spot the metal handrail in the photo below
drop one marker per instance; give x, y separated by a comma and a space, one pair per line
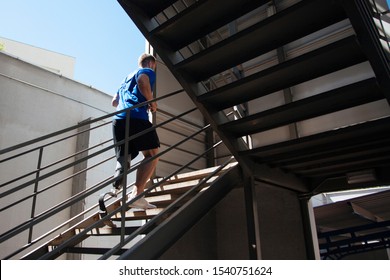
79, 196
125, 205
108, 181
62, 131
67, 130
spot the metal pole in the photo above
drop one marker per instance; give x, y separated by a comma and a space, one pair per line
252, 219
124, 179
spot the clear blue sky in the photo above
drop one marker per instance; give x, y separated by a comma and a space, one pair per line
98, 33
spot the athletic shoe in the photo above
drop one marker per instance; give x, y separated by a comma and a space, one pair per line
141, 203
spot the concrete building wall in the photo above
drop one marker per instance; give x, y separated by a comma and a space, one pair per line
176, 131
35, 102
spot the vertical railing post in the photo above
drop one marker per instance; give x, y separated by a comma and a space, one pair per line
34, 199
252, 219
124, 179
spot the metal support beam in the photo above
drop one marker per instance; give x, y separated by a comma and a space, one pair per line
360, 15
252, 219
309, 230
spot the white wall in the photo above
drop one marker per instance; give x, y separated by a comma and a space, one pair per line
35, 102
175, 105
58, 63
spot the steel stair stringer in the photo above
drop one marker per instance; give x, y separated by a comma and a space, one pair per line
155, 243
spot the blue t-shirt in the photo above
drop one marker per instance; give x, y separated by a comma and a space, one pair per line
130, 95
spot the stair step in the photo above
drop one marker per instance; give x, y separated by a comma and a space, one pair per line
162, 200
108, 231
72, 231
195, 175
271, 33
342, 141
83, 224
139, 214
177, 188
338, 99
322, 61
182, 29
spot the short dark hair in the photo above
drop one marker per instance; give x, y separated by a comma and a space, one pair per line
145, 58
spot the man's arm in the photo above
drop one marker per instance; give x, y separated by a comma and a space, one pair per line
115, 100
144, 87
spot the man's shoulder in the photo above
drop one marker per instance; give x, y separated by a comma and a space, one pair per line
146, 71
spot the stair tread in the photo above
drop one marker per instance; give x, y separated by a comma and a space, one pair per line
182, 29
193, 175
335, 139
330, 58
139, 214
277, 30
337, 99
109, 230
162, 198
177, 188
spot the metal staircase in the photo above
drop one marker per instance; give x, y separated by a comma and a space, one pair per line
244, 53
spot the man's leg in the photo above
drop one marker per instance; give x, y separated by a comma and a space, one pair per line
118, 135
144, 172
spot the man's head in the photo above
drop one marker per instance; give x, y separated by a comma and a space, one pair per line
147, 61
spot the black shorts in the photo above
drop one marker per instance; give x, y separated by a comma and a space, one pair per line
146, 141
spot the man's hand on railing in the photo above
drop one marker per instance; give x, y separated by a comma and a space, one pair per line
153, 107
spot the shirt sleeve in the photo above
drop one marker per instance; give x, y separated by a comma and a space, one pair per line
151, 74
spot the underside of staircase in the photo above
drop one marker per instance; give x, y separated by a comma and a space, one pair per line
218, 51
240, 55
